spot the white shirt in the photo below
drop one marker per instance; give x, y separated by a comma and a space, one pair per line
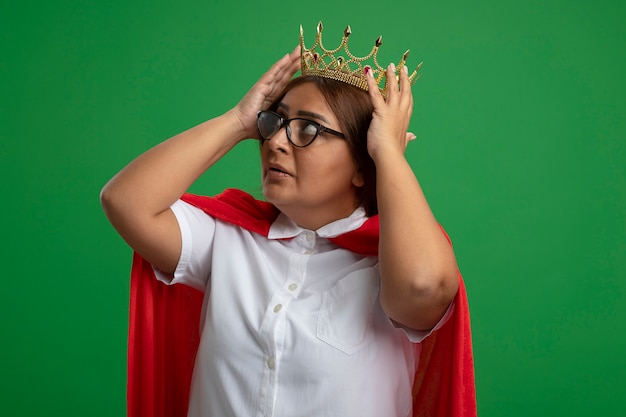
292, 325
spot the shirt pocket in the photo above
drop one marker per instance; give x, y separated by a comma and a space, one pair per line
345, 319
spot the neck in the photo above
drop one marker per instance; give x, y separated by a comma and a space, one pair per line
315, 219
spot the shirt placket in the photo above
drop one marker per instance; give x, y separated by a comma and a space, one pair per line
274, 322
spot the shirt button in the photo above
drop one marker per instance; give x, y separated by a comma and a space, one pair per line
277, 308
309, 252
271, 363
293, 287
310, 236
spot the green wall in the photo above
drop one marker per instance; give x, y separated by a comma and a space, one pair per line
521, 150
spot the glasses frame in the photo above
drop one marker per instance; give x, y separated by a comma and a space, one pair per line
285, 123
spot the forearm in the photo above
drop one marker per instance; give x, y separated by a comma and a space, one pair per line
155, 179
152, 182
417, 263
138, 198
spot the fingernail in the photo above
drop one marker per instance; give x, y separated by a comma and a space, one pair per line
392, 66
405, 69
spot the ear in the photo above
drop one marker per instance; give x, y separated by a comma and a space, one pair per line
357, 179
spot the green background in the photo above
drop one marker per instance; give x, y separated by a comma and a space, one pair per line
520, 118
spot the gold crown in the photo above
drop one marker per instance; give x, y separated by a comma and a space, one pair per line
326, 63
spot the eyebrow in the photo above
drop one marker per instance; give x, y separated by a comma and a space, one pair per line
305, 113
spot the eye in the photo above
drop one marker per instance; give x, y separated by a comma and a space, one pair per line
309, 129
268, 125
303, 131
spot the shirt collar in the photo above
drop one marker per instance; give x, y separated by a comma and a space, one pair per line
285, 228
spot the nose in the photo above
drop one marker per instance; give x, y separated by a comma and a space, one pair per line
279, 142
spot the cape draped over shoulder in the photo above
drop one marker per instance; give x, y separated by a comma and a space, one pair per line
164, 329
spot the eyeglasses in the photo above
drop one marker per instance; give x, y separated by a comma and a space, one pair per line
300, 132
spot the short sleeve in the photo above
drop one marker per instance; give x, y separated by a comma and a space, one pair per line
418, 336
197, 230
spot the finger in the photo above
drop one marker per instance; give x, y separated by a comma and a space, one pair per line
372, 87
290, 67
294, 61
295, 54
405, 85
392, 83
405, 90
285, 67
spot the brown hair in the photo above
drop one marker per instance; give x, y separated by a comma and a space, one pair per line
353, 108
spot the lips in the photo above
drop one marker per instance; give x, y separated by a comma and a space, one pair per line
278, 169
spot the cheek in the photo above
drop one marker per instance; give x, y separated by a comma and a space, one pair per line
332, 166
263, 149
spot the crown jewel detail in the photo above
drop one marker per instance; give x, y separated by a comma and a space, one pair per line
330, 63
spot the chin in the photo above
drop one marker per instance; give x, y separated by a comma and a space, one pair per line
280, 199
271, 195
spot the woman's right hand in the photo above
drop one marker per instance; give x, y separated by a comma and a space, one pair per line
137, 200
265, 91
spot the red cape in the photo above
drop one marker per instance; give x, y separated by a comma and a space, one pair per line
164, 328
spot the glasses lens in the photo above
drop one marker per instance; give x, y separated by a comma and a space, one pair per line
303, 131
268, 124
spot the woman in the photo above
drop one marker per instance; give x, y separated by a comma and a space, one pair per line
295, 324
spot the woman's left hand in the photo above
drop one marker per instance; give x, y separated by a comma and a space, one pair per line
390, 120
418, 271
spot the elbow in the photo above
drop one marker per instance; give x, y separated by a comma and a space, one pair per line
422, 301
437, 289
107, 199
113, 203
